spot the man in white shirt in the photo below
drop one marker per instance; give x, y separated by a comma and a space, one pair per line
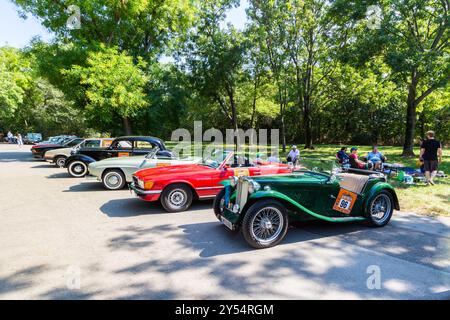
10, 137
293, 155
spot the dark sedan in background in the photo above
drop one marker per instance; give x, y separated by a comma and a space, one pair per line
77, 164
40, 149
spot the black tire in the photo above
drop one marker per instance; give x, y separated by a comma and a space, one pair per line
77, 169
218, 203
381, 201
113, 179
60, 161
176, 198
278, 213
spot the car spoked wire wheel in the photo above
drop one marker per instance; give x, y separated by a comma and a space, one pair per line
176, 198
60, 161
380, 209
113, 179
77, 169
219, 203
265, 224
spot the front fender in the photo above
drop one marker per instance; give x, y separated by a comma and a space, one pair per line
378, 187
80, 157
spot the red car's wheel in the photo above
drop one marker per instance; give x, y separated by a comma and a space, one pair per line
176, 198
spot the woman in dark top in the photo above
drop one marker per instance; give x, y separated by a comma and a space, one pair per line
431, 154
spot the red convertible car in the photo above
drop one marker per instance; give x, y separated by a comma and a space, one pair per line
176, 186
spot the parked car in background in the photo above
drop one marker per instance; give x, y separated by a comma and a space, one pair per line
59, 156
39, 150
77, 164
262, 207
114, 173
176, 186
32, 138
57, 139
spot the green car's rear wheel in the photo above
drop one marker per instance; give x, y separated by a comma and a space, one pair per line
380, 209
113, 179
265, 224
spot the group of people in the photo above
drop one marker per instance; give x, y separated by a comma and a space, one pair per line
375, 159
430, 157
14, 139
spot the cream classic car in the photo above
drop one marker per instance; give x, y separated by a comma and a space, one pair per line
114, 173
59, 156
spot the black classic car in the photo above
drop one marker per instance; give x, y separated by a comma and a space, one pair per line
39, 150
77, 163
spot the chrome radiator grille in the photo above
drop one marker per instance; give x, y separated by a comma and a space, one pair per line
242, 192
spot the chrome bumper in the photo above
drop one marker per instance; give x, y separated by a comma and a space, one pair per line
140, 191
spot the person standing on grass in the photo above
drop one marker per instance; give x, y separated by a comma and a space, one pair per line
431, 154
19, 140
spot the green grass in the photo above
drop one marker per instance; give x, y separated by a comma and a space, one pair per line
418, 198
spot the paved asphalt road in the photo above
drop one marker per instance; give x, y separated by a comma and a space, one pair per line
67, 238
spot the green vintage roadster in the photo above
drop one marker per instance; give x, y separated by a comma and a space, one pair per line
262, 207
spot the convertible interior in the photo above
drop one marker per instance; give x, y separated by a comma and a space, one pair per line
352, 182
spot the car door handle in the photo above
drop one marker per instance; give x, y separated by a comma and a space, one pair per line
332, 197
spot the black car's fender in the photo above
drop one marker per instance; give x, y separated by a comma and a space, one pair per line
80, 157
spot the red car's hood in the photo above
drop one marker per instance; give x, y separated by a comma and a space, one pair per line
145, 174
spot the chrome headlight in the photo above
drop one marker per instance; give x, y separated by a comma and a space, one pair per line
253, 186
233, 181
140, 183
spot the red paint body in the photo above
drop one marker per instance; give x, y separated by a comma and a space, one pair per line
203, 179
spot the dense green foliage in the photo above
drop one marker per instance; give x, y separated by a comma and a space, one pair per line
315, 69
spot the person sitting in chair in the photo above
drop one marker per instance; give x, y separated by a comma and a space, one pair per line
343, 157
354, 160
376, 158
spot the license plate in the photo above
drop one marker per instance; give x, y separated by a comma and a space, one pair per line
227, 223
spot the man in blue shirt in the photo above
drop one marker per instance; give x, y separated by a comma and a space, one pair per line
343, 157
376, 158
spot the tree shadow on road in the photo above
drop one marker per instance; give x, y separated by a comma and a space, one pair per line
122, 208
87, 187
19, 280
12, 156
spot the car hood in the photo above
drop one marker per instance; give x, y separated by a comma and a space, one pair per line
48, 145
298, 177
135, 161
59, 150
149, 173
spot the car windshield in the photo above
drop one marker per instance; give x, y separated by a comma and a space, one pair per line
314, 165
74, 142
152, 153
215, 159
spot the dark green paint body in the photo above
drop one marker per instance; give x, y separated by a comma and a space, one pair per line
310, 196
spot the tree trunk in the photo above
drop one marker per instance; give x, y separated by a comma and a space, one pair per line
283, 133
408, 145
307, 124
126, 126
